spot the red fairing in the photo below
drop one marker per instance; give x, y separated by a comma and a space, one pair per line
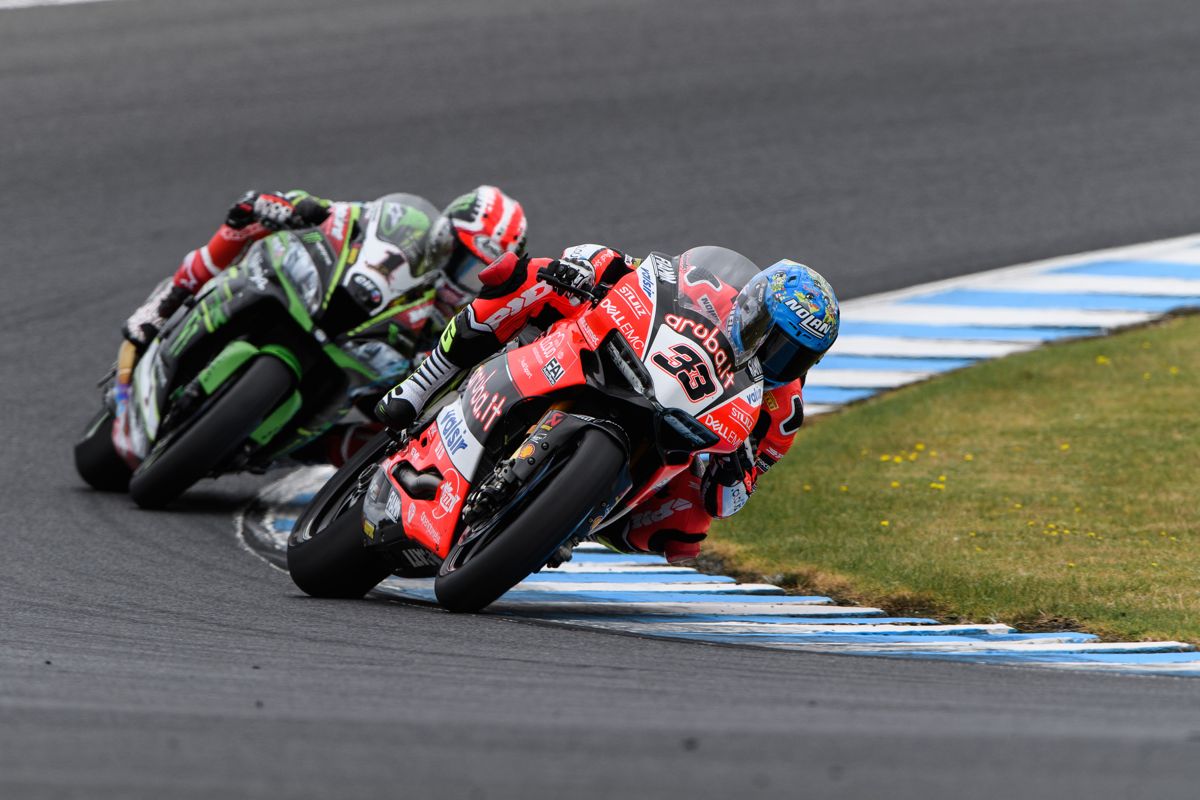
626, 308
733, 421
550, 363
337, 226
431, 522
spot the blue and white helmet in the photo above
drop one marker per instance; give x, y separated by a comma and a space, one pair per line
788, 316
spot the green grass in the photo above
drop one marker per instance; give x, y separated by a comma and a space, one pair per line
1056, 488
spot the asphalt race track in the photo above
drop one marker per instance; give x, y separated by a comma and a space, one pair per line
885, 142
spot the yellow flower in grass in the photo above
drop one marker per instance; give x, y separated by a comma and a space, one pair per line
883, 522
1103, 360
919, 446
843, 488
1064, 446
898, 459
1071, 564
968, 457
938, 486
895, 484
1173, 370
885, 457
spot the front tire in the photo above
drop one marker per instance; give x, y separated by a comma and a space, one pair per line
581, 484
97, 461
213, 436
326, 556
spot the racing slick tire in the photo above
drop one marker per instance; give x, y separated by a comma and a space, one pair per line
213, 435
325, 555
97, 461
563, 501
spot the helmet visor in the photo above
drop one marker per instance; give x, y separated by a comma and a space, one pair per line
783, 360
750, 321
463, 268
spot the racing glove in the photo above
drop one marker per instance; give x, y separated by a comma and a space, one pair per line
144, 324
569, 277
271, 209
729, 481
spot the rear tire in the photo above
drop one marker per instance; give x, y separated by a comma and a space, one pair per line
97, 461
326, 556
213, 436
529, 539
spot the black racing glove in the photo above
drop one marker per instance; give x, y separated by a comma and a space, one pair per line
730, 469
729, 481
569, 278
271, 209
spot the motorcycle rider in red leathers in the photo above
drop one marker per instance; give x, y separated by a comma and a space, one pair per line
520, 291
448, 249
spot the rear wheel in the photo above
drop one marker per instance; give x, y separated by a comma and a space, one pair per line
213, 435
326, 556
472, 580
96, 459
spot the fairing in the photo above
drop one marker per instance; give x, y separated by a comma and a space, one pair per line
682, 379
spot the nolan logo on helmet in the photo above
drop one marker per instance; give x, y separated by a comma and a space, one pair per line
808, 320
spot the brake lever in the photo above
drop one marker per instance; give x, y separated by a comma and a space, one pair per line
568, 289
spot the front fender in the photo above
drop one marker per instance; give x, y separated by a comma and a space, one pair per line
235, 355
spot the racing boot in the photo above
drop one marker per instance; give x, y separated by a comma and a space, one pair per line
400, 407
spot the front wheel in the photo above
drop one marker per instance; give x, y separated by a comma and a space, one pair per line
326, 556
213, 435
97, 461
562, 502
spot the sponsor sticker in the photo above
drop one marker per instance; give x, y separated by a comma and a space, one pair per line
452, 429
553, 371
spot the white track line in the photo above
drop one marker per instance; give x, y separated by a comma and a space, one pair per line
6, 5
930, 314
925, 348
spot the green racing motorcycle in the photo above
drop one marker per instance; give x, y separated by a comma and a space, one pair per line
269, 355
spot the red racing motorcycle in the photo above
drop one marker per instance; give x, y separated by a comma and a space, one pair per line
545, 444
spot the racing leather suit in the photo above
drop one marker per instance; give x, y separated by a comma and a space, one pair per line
676, 520
229, 243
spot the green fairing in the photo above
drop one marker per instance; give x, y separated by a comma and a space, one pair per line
339, 357
278, 418
387, 313
225, 364
284, 355
295, 305
336, 279
209, 313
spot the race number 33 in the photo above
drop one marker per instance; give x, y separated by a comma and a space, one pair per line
687, 366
